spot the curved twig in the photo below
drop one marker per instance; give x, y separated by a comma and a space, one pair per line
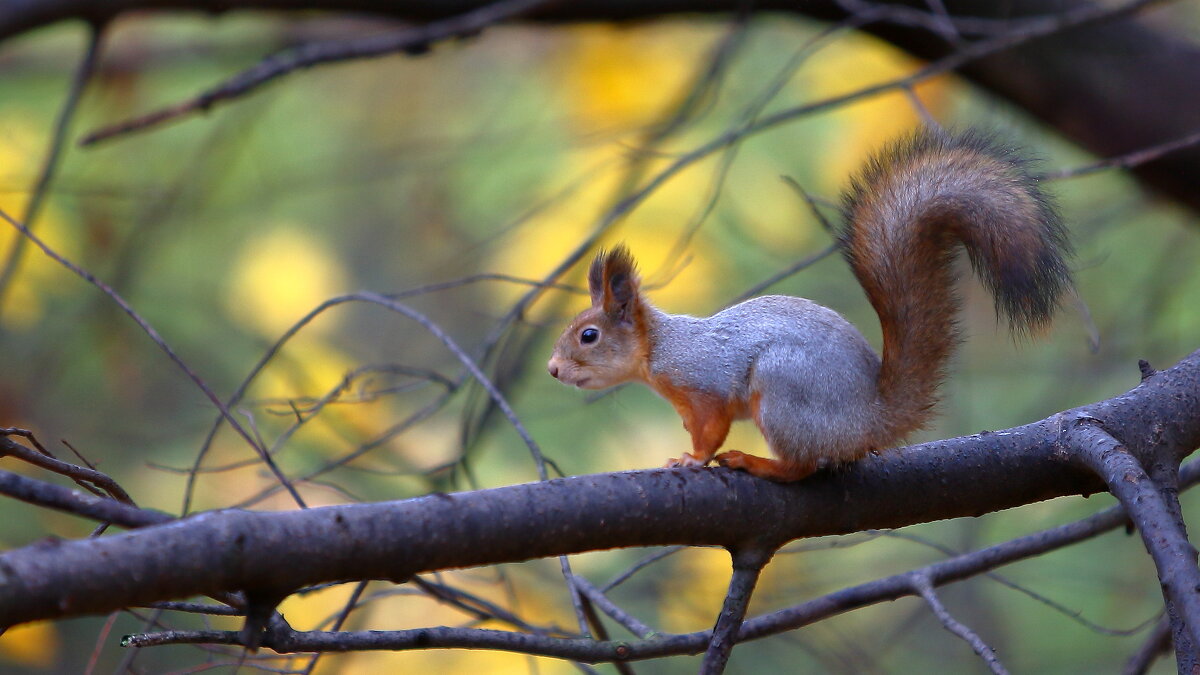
414, 40
162, 344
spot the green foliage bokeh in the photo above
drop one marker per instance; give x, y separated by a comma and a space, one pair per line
497, 154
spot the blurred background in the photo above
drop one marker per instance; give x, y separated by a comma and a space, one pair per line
499, 155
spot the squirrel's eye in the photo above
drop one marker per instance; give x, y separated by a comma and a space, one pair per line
589, 335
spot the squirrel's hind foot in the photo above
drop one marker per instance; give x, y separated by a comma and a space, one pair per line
771, 469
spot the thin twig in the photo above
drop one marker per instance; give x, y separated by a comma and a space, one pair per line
705, 84
785, 273
101, 640
639, 565
391, 432
83, 75
1037, 28
949, 27
606, 605
158, 340
88, 478
480, 608
198, 608
1072, 614
272, 351
469, 363
351, 604
748, 116
127, 659
1128, 160
922, 585
414, 40
577, 599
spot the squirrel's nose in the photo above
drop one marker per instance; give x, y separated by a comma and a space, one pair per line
553, 368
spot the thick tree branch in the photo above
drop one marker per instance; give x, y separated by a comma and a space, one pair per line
236, 550
960, 567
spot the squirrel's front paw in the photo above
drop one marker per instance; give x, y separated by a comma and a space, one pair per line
733, 459
687, 459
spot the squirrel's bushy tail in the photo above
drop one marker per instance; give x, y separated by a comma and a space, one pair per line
905, 213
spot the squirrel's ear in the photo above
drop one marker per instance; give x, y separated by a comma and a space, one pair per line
620, 284
596, 279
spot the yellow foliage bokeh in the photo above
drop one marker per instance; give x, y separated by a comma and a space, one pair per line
31, 644
853, 63
279, 276
695, 589
399, 612
680, 280
21, 148
618, 77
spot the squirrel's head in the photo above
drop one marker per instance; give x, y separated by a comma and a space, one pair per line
605, 344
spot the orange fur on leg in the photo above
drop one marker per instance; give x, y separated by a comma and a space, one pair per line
708, 423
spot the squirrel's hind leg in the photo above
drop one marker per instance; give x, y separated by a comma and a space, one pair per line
808, 422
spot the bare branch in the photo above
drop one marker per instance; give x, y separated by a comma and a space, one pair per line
1157, 643
1168, 546
394, 540
89, 506
886, 589
747, 566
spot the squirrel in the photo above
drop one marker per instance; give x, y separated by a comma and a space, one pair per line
807, 377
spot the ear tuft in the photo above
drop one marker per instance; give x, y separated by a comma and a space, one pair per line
596, 278
620, 283
620, 273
